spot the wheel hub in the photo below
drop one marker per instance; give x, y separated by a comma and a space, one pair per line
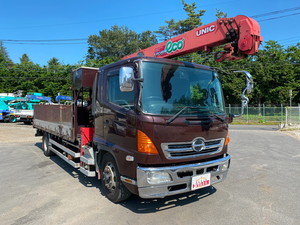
109, 177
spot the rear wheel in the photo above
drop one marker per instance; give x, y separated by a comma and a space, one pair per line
46, 145
114, 188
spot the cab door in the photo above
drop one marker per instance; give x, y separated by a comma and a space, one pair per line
118, 114
98, 106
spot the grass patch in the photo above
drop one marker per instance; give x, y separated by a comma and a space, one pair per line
254, 123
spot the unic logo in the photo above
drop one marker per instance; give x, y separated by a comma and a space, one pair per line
174, 46
205, 30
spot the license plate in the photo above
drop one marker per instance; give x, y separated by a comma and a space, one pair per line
200, 181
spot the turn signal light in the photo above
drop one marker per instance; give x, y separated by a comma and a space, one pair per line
227, 140
144, 144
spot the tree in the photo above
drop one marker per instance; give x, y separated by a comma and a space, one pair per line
220, 14
117, 42
56, 78
5, 65
146, 39
274, 72
167, 31
293, 55
173, 28
53, 62
193, 20
4, 58
99, 62
25, 59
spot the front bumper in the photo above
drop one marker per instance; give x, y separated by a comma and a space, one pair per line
181, 177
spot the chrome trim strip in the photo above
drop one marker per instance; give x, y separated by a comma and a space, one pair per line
214, 146
180, 150
87, 172
88, 161
183, 167
72, 163
65, 149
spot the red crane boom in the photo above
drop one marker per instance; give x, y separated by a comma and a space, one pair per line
241, 33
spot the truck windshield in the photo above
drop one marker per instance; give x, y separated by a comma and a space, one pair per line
167, 88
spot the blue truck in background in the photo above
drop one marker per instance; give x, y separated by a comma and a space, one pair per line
5, 110
23, 108
15, 108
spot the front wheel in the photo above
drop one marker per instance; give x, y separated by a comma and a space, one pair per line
114, 188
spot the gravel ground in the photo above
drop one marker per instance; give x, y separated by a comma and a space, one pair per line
293, 133
262, 186
17, 132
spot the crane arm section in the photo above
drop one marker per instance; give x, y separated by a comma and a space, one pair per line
241, 35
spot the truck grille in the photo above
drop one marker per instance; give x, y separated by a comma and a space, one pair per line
195, 148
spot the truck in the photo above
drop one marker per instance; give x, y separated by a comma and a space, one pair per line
22, 108
5, 110
150, 125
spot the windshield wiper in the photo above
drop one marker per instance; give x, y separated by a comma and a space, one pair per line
177, 114
192, 107
180, 112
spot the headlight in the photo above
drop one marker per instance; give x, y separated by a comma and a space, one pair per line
158, 177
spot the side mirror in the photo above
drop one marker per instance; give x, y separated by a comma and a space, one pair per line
248, 89
126, 77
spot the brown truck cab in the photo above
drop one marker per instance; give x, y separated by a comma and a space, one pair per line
155, 127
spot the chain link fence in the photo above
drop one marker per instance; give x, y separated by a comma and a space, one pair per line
286, 116
292, 116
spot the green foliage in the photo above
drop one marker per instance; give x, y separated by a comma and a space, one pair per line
117, 42
99, 63
167, 31
175, 28
192, 21
25, 59
53, 63
30, 77
4, 58
275, 74
220, 14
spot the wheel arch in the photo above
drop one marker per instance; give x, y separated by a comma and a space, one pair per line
100, 152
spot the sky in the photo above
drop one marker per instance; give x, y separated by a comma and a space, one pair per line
22, 21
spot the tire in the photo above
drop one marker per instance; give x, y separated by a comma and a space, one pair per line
28, 123
115, 190
12, 119
46, 145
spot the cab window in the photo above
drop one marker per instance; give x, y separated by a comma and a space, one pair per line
114, 94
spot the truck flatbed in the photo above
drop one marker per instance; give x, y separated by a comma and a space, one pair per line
55, 119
